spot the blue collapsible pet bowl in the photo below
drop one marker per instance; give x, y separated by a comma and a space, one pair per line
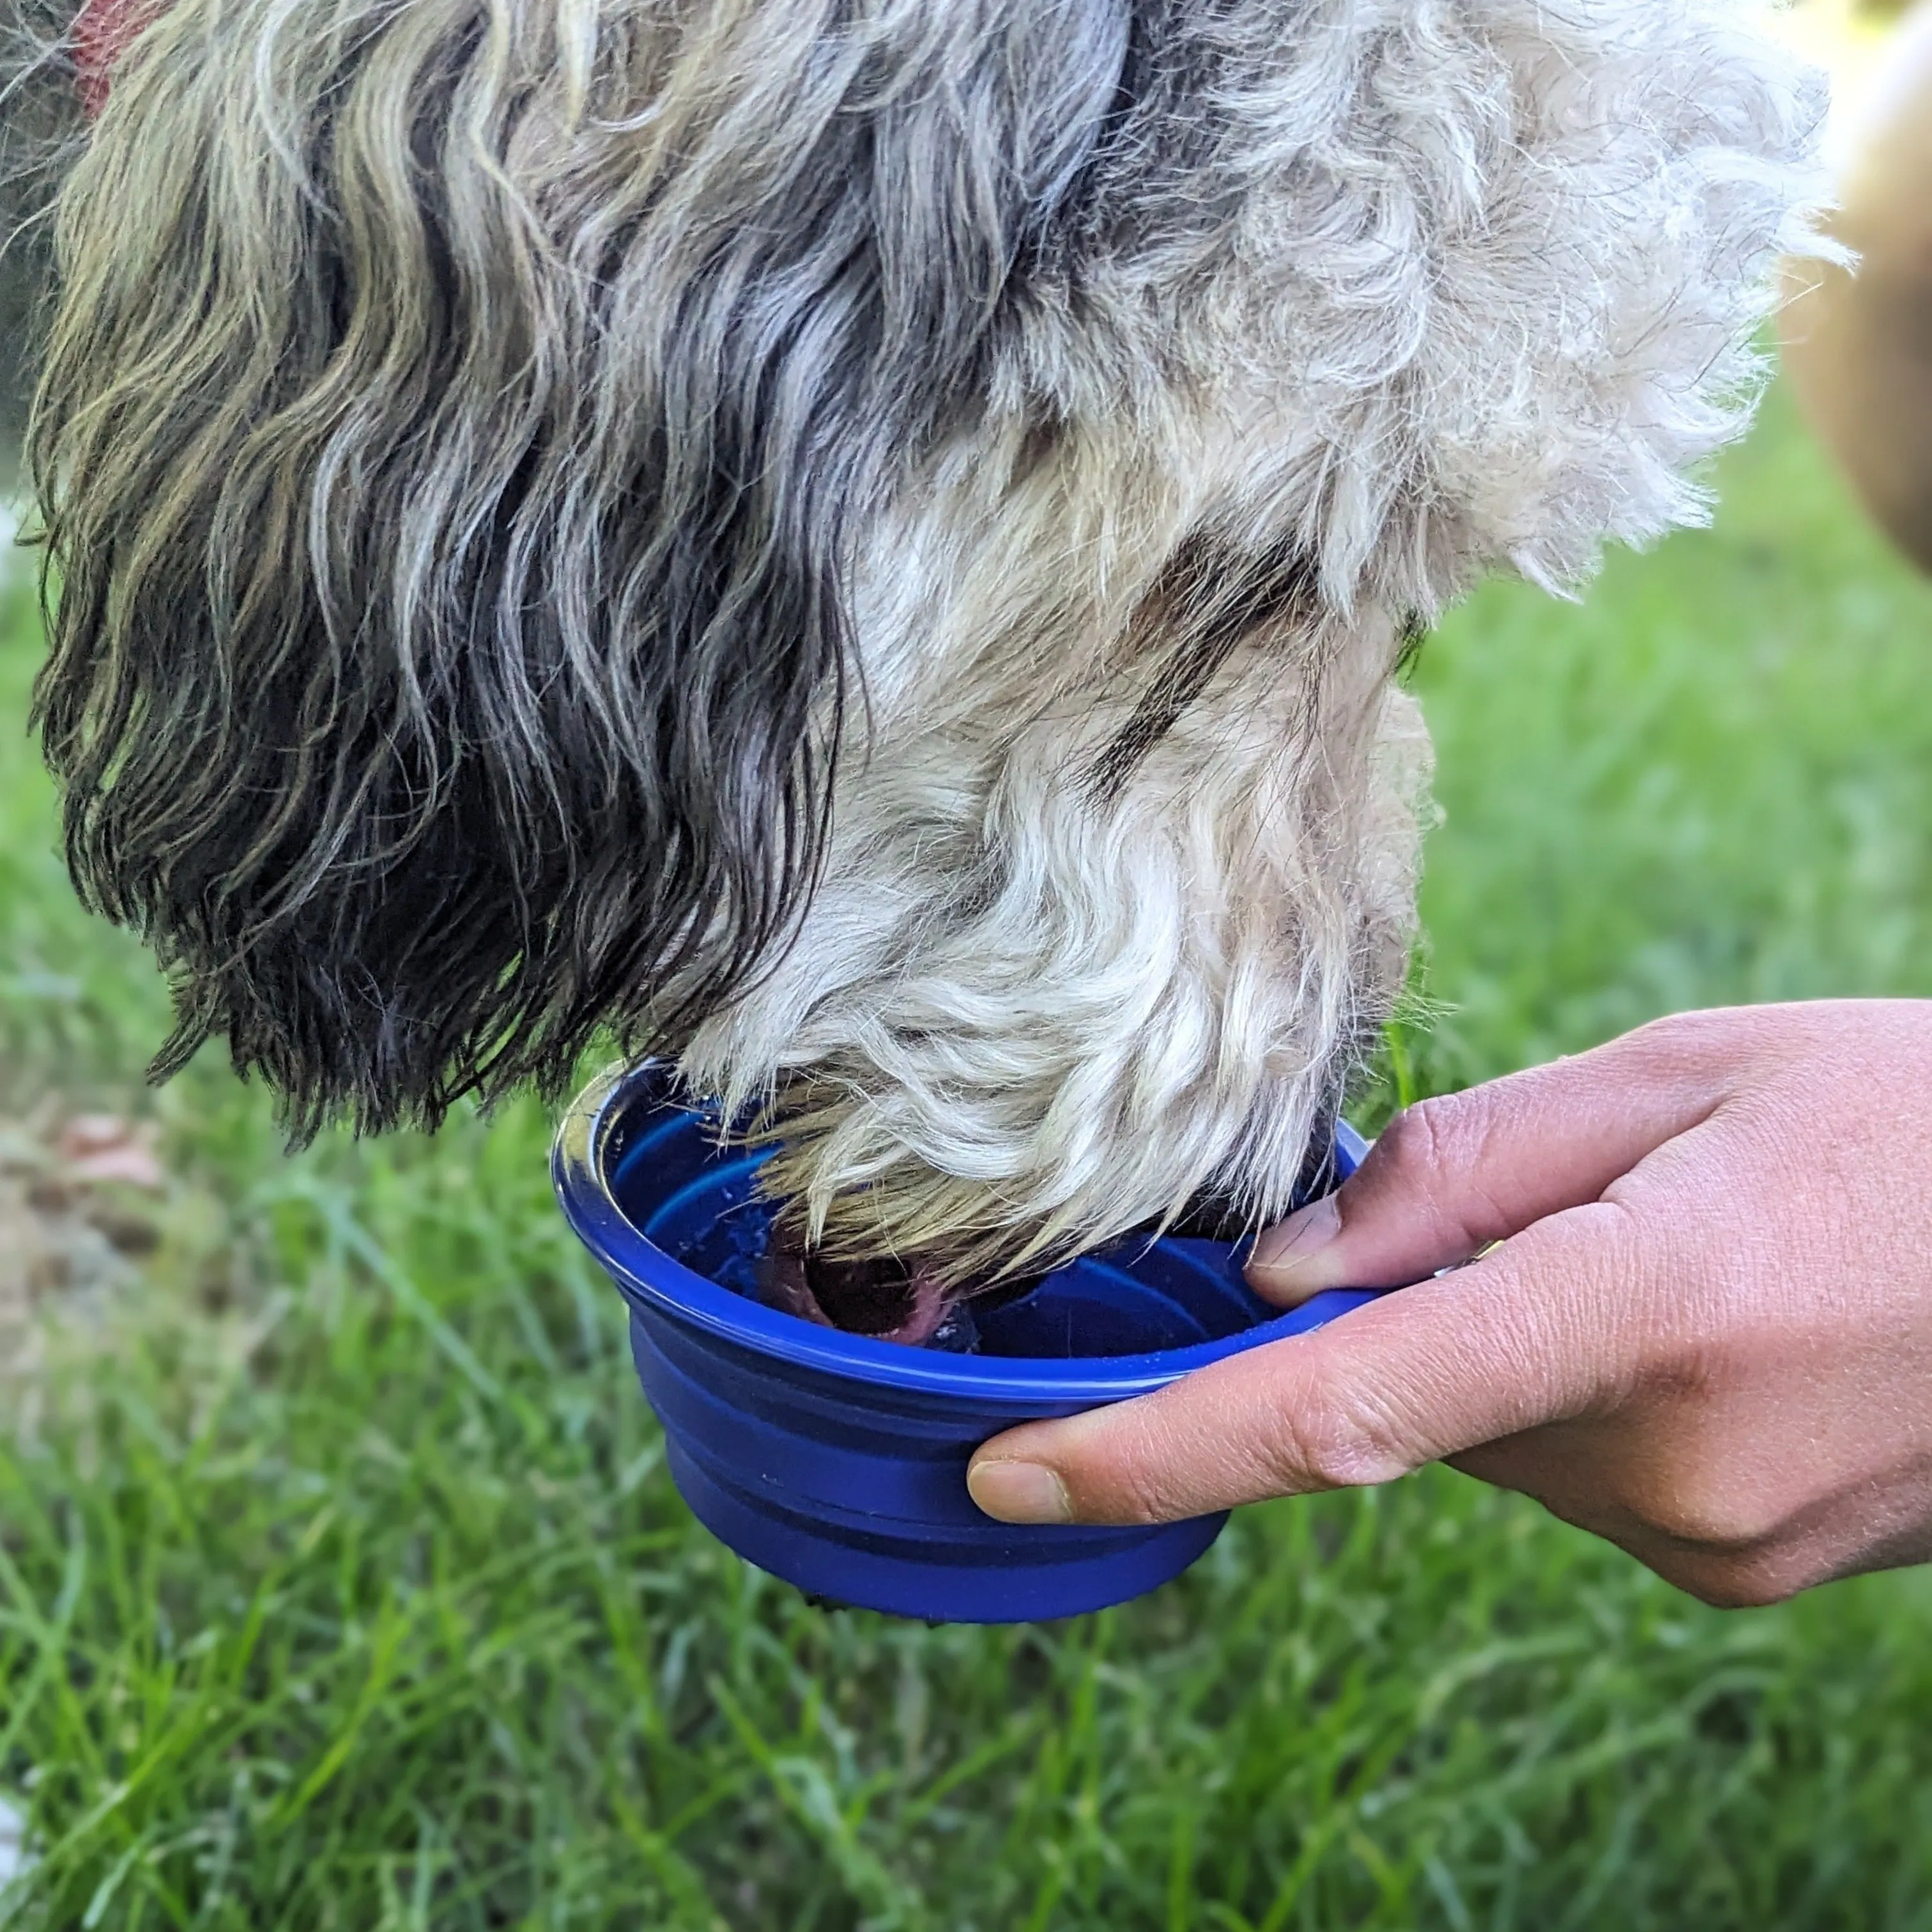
837, 1462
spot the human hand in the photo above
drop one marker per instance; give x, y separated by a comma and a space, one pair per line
1708, 1336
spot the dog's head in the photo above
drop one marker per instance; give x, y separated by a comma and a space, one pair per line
861, 543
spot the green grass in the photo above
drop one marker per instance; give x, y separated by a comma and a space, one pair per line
1711, 782
341, 1583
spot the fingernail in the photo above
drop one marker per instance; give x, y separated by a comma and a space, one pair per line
1289, 1254
1019, 1492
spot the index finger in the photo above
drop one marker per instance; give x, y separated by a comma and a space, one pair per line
1458, 1171
1542, 1330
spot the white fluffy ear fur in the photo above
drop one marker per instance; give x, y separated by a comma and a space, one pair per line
1478, 287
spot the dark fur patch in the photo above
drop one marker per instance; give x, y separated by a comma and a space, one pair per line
40, 130
1208, 599
400, 837
1157, 180
1408, 651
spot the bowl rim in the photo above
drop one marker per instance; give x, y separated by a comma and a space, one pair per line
682, 1294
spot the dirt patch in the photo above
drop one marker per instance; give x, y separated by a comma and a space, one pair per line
80, 1197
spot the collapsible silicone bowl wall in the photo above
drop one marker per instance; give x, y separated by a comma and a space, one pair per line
837, 1462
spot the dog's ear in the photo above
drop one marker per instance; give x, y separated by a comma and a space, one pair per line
456, 421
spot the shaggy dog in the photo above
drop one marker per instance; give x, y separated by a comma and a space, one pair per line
862, 544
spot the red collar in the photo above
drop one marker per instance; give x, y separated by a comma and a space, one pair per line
102, 32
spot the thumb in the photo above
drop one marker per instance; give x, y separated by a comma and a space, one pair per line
1452, 1175
1535, 1333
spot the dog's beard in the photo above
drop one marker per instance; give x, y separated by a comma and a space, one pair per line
1116, 896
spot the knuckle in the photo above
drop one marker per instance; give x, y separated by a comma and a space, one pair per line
1418, 1140
1753, 1583
1438, 1151
1329, 1445
1710, 1511
1687, 1052
1140, 1497
1425, 1144
1708, 1049
1672, 1034
1139, 1478
1186, 1451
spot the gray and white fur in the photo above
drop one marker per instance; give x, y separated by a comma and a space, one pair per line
861, 543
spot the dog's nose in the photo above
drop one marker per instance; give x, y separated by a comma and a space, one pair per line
879, 1295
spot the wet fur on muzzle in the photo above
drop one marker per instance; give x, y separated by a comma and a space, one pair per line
860, 545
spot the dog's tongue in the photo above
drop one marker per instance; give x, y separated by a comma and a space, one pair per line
102, 31
882, 1298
